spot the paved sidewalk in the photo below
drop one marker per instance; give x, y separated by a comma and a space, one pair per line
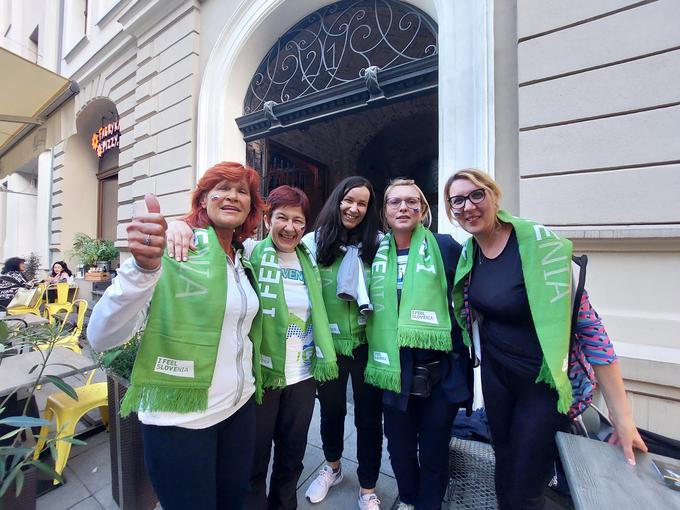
88, 475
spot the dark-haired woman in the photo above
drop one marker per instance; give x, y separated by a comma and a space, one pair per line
347, 227
60, 273
12, 279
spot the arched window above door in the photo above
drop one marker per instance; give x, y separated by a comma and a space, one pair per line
351, 41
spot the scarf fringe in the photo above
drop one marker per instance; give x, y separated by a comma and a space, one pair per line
272, 380
346, 346
564, 392
436, 339
163, 399
387, 380
325, 371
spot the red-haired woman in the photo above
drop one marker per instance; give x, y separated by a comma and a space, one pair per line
295, 347
193, 384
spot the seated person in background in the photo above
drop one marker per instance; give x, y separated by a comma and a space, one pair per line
11, 279
60, 273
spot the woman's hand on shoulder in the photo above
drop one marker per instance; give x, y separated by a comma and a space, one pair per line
180, 240
146, 235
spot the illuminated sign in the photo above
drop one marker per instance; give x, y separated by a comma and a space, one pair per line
106, 138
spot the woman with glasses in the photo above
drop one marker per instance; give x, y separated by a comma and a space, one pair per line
344, 242
514, 279
416, 351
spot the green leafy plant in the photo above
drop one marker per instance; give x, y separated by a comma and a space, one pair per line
120, 360
16, 453
89, 250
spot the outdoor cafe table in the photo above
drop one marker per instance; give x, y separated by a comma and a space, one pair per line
30, 319
63, 362
600, 478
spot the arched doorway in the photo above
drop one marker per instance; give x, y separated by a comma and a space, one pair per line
86, 195
349, 89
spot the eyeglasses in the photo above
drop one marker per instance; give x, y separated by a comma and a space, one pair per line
395, 203
476, 196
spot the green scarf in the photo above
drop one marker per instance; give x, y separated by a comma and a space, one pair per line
546, 267
348, 326
275, 317
175, 363
420, 320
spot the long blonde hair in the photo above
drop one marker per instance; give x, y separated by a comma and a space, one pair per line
426, 214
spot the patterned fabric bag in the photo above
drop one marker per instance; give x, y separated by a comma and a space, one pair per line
580, 371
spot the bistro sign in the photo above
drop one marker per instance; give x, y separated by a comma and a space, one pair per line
106, 138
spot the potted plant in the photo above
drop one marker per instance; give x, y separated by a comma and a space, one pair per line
93, 252
18, 469
130, 486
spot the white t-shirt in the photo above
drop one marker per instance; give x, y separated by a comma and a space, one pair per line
299, 336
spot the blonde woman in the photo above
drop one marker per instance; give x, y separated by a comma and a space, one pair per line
416, 351
514, 276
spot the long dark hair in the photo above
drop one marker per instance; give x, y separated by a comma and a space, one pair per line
12, 264
330, 232
64, 268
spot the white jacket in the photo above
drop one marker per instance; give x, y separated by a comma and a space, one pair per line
122, 310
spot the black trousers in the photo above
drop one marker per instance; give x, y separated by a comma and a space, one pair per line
418, 443
367, 416
523, 420
283, 417
202, 468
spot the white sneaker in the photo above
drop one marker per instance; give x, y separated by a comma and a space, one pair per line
405, 506
326, 479
368, 501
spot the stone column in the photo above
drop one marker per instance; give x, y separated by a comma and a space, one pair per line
466, 120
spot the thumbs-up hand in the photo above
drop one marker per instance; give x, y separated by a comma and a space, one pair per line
146, 235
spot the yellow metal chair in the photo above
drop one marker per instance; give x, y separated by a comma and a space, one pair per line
34, 308
72, 339
62, 299
67, 412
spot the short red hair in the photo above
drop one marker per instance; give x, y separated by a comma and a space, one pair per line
288, 196
233, 172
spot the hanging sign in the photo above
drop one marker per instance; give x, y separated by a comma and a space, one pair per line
106, 138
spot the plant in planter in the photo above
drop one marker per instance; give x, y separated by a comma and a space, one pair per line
17, 450
130, 486
93, 252
32, 267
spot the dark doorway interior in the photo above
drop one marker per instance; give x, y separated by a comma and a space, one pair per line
396, 140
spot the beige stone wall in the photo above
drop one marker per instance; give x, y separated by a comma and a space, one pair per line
149, 71
598, 160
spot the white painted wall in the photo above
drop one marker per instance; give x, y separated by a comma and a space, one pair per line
20, 216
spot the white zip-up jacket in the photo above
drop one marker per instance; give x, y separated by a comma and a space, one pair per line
122, 311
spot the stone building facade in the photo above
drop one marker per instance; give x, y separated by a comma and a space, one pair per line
570, 105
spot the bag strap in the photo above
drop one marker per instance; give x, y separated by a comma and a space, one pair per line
582, 263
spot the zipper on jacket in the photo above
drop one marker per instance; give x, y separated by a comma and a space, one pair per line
240, 377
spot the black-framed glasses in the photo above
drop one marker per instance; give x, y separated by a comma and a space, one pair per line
475, 196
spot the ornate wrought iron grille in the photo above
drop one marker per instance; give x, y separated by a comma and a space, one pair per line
336, 44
